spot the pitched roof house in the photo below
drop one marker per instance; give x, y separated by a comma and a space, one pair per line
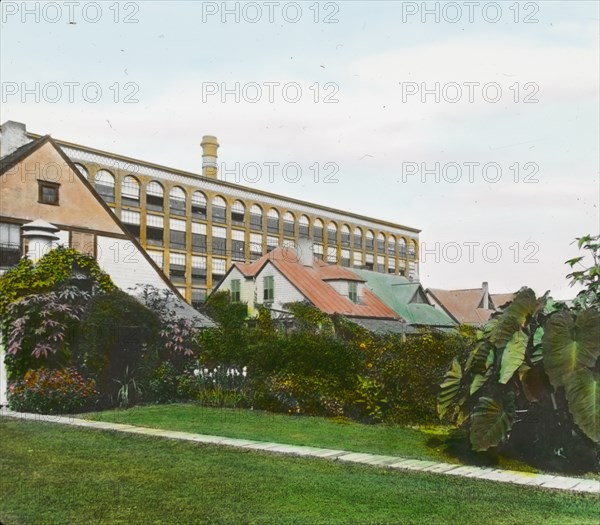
287, 275
471, 306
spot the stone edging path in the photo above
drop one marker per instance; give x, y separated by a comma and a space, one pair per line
546, 481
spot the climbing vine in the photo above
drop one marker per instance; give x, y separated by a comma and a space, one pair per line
54, 269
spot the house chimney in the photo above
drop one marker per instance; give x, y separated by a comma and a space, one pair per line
209, 156
486, 296
305, 250
41, 235
13, 135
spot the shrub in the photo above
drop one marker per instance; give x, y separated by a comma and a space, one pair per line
300, 394
178, 335
44, 391
117, 343
162, 384
410, 371
41, 305
41, 329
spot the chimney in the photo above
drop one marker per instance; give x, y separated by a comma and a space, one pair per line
486, 296
209, 156
40, 235
304, 247
13, 135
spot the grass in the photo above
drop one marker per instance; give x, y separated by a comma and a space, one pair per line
52, 474
433, 443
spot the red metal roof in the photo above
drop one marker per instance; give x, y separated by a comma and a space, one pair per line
464, 305
311, 282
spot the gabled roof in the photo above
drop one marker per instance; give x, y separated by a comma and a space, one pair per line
12, 159
310, 281
500, 299
464, 305
400, 294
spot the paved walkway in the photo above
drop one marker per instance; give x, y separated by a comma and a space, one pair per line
546, 481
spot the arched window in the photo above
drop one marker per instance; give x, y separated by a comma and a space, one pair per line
345, 236
238, 213
332, 233
288, 224
177, 201
412, 250
105, 185
380, 243
219, 210
402, 248
391, 246
130, 192
370, 240
82, 169
198, 205
358, 239
273, 221
155, 197
304, 226
256, 217
318, 230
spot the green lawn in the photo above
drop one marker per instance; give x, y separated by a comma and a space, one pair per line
436, 443
52, 474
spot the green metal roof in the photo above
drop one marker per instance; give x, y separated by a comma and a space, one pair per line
398, 292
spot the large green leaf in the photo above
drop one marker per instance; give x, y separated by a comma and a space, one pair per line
570, 343
479, 380
479, 359
449, 388
513, 318
490, 424
583, 395
513, 356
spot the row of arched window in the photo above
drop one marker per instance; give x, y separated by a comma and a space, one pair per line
155, 201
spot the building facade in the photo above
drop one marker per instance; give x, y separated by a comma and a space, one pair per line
194, 226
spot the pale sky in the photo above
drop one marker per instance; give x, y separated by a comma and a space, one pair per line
476, 122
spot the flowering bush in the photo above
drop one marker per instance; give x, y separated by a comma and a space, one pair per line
44, 391
221, 387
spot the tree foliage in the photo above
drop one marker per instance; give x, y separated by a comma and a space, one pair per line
534, 372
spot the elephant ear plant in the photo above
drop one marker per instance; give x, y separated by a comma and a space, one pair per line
531, 383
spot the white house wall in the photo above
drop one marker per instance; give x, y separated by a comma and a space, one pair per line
246, 288
285, 292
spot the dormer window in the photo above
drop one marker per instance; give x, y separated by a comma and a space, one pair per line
353, 291
268, 289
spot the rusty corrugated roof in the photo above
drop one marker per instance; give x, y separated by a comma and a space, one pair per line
465, 305
500, 299
310, 282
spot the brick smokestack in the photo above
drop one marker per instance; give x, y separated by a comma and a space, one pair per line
209, 156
